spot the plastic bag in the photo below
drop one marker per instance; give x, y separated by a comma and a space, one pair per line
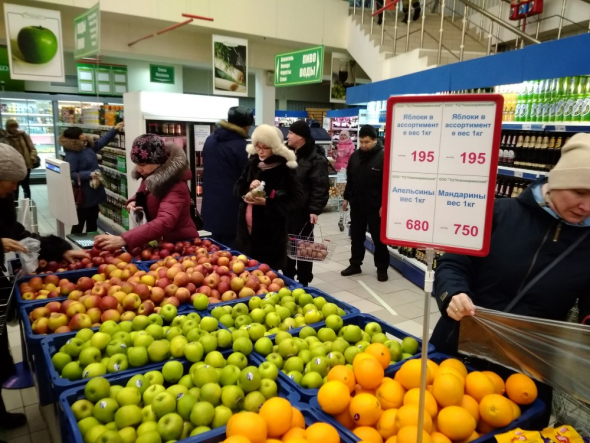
29, 261
137, 218
553, 352
258, 191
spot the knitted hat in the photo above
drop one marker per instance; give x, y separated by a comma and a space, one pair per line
367, 131
12, 164
268, 136
572, 171
148, 149
240, 116
11, 122
301, 129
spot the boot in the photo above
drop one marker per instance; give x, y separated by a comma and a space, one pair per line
417, 11
405, 19
351, 270
12, 420
382, 275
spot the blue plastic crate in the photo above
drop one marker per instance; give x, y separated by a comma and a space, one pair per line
69, 426
72, 276
359, 320
529, 413
222, 247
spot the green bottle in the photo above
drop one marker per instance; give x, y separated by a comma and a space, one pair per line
572, 89
580, 96
560, 101
531, 109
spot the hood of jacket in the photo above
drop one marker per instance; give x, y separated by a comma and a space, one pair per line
159, 182
228, 131
69, 144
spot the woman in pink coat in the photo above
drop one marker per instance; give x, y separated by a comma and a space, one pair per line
345, 150
163, 195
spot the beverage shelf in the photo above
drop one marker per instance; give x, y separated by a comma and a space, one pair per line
548, 127
521, 173
85, 125
115, 195
26, 114
108, 225
114, 171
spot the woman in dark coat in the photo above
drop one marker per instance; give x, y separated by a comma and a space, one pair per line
163, 195
13, 170
262, 221
81, 153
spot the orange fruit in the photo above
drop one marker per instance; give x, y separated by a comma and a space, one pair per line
432, 366
334, 397
409, 374
358, 389
484, 428
249, 425
478, 385
322, 433
344, 374
278, 415
409, 434
473, 436
471, 406
298, 420
455, 423
497, 381
449, 370
448, 390
365, 410
345, 419
295, 440
412, 397
392, 439
380, 352
237, 439
390, 394
455, 364
386, 424
408, 416
368, 372
360, 357
437, 437
496, 410
272, 440
515, 409
368, 434
521, 389
293, 433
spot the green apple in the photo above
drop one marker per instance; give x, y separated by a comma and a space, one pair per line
291, 306
140, 322
60, 360
148, 415
147, 426
195, 392
143, 339
268, 388
243, 345
209, 343
312, 380
282, 335
239, 309
177, 345
177, 391
305, 355
268, 370
163, 403
267, 306
284, 292
93, 433
294, 364
254, 401
221, 416
156, 319
209, 324
218, 312
242, 320
126, 326
405, 356
194, 316
194, 352
109, 436
329, 309
184, 406
409, 346
117, 363
327, 334
366, 337
334, 322
276, 359
237, 359
318, 350
155, 331
229, 375
94, 370
339, 345
154, 377
129, 415
215, 359
170, 426
201, 302
116, 347
395, 350
152, 436
254, 303
96, 389
320, 365
73, 347
124, 337
373, 328
202, 414
288, 324
37, 44
224, 338
351, 353
178, 320
257, 315
282, 312
312, 316
159, 350
263, 346
173, 371
249, 379
86, 424
137, 356
111, 426
211, 392
109, 327
115, 389
227, 320
319, 302
195, 334
186, 380
379, 337
352, 333
139, 382
303, 298
239, 333
82, 409
168, 312
288, 348
272, 320
336, 359
232, 397
151, 392
204, 375
188, 325
362, 345
104, 410
312, 339
200, 430
328, 345
256, 331
128, 434
85, 334
295, 376
129, 396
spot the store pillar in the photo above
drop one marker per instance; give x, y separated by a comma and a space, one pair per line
265, 99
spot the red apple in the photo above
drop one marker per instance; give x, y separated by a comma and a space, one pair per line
85, 283
67, 288
56, 320
223, 287
79, 321
181, 279
127, 288
143, 291
99, 291
163, 282
111, 314
75, 295
53, 306
204, 290
39, 313
75, 308
108, 302
93, 301
131, 302
94, 314
183, 295
216, 294
40, 325
170, 290
128, 316
279, 282
229, 295
196, 278
146, 308
51, 279
157, 295
212, 280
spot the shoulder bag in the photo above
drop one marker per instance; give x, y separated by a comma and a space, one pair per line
78, 192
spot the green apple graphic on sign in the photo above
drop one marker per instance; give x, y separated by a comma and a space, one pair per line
37, 44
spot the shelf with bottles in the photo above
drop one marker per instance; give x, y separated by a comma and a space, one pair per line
169, 131
511, 187
114, 182
109, 225
90, 114
33, 116
348, 123
113, 159
114, 209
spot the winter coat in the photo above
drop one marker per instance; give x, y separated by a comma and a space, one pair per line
225, 155
345, 150
364, 178
23, 144
268, 241
312, 172
525, 240
81, 155
166, 199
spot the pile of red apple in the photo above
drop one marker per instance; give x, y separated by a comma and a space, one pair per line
220, 276
178, 249
103, 256
46, 267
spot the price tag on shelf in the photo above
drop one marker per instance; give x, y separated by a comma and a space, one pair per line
201, 133
441, 162
559, 128
527, 127
518, 174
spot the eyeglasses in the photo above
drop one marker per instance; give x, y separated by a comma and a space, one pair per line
262, 148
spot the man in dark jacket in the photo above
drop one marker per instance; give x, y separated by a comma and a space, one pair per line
225, 158
364, 182
312, 172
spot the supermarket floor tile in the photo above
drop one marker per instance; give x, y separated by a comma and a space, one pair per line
12, 399
11, 434
29, 396
346, 296
34, 418
367, 306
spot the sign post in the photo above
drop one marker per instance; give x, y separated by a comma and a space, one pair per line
441, 161
299, 67
87, 33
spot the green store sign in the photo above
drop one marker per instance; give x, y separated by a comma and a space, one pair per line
162, 74
299, 67
6, 83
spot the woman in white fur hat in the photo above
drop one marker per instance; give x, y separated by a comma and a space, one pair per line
262, 221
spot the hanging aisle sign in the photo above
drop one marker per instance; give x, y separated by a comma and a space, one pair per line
441, 162
300, 67
87, 33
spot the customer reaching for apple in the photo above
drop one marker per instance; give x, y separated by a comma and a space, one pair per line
163, 196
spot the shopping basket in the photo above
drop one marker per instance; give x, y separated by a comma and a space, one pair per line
570, 411
308, 248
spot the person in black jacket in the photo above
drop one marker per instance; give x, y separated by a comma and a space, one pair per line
364, 182
262, 220
226, 158
528, 233
312, 171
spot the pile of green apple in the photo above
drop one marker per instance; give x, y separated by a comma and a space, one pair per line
278, 311
170, 404
308, 358
145, 339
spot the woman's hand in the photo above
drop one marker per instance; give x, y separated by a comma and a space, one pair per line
254, 184
120, 126
109, 242
460, 306
75, 254
345, 205
258, 201
10, 245
132, 206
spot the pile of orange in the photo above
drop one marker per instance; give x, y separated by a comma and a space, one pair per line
459, 406
277, 421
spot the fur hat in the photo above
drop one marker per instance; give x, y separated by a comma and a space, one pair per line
572, 171
240, 116
148, 149
268, 136
12, 164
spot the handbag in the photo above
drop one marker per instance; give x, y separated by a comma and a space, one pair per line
196, 216
78, 192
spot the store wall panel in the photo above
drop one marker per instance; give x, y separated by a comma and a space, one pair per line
501, 69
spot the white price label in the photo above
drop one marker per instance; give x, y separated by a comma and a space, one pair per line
441, 156
201, 133
518, 174
560, 128
527, 126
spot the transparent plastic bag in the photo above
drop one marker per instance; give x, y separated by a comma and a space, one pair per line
553, 352
30, 260
258, 191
